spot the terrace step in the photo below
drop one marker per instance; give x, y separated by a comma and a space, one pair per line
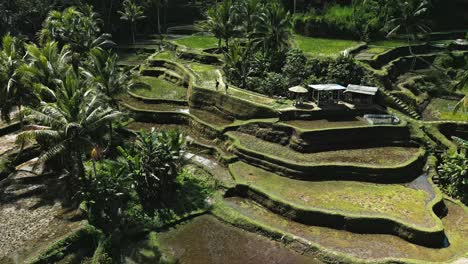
373, 164
166, 74
342, 244
391, 208
403, 107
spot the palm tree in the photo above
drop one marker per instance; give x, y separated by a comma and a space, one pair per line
13, 92
410, 20
79, 28
220, 22
247, 14
237, 63
155, 6
132, 13
104, 74
45, 66
71, 126
273, 32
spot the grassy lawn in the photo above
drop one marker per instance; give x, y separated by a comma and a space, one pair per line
442, 109
385, 200
198, 42
323, 47
382, 156
161, 89
327, 123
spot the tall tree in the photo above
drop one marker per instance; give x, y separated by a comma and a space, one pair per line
13, 91
104, 74
274, 29
154, 9
132, 12
45, 66
71, 126
78, 27
409, 20
247, 14
221, 22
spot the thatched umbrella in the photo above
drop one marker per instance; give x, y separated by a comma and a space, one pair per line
300, 91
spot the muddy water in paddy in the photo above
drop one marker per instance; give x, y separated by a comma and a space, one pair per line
206, 240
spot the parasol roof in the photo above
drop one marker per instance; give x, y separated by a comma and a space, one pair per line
298, 89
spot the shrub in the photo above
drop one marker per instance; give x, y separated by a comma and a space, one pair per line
359, 21
154, 162
274, 84
344, 70
294, 69
453, 172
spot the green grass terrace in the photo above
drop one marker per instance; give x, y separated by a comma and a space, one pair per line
372, 247
198, 42
327, 123
391, 201
323, 47
376, 157
160, 89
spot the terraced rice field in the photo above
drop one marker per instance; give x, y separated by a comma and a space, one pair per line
442, 109
364, 199
380, 156
373, 247
161, 89
327, 123
206, 240
140, 105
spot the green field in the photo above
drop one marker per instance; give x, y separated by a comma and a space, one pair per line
198, 42
323, 47
161, 89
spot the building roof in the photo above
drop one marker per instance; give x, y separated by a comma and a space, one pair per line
368, 90
327, 87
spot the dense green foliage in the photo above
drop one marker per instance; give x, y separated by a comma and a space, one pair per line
453, 173
155, 161
78, 28
294, 68
13, 91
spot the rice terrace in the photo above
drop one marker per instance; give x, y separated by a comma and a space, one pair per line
233, 131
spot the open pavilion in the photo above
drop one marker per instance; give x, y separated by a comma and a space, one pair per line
359, 94
326, 93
